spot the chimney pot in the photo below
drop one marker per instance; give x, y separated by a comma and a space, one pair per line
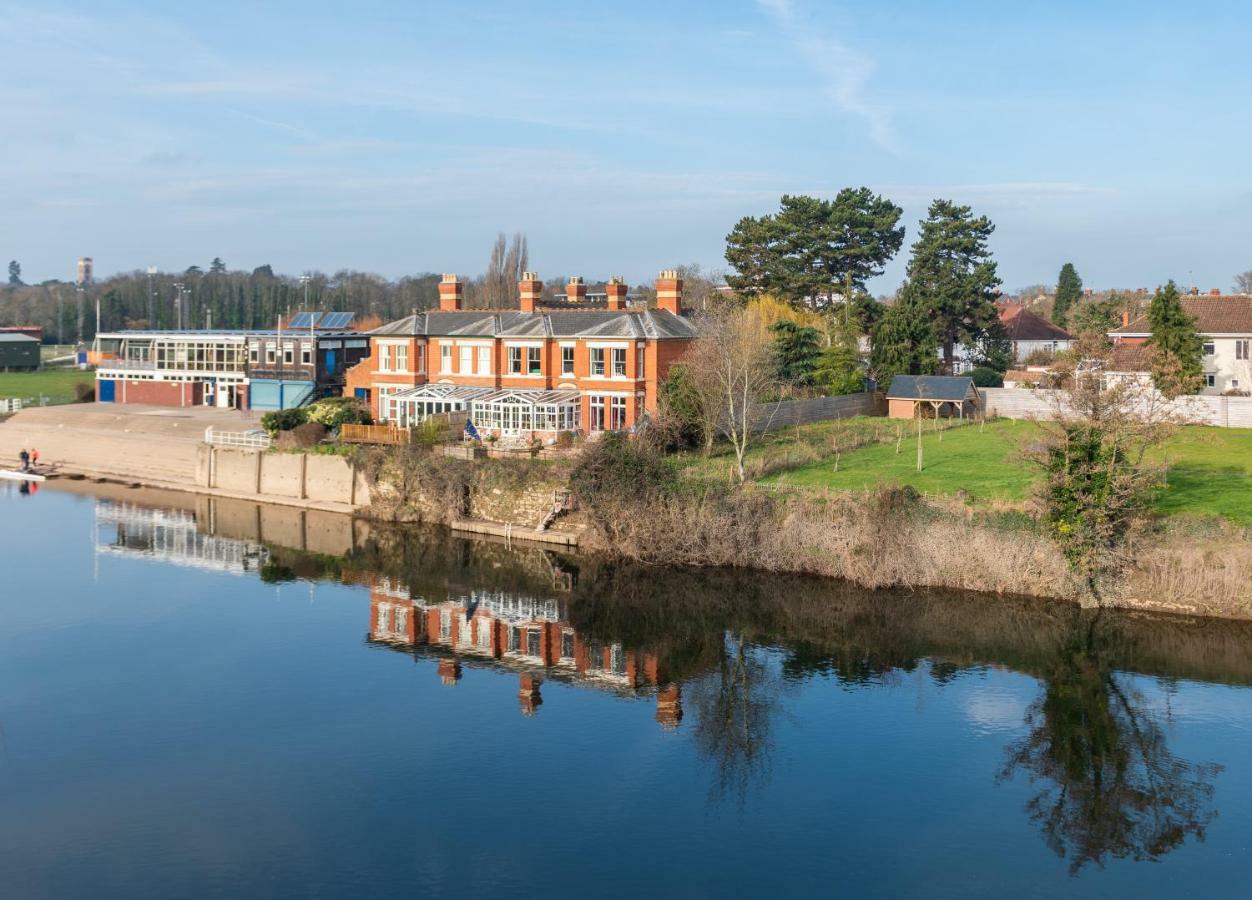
451, 293
576, 290
616, 291
529, 291
669, 292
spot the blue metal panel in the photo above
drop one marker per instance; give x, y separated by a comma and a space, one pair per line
106, 390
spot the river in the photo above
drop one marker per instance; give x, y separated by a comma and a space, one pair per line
191, 707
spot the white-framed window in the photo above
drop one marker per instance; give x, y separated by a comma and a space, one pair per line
484, 360
619, 362
1209, 348
515, 360
254, 354
534, 364
567, 359
271, 353
597, 363
1241, 349
617, 413
466, 364
639, 361
445, 358
289, 354
402, 357
445, 624
306, 354
596, 406
1210, 380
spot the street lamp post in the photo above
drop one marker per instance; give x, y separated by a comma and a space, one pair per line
178, 303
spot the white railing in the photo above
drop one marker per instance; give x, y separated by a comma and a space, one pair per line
10, 406
248, 440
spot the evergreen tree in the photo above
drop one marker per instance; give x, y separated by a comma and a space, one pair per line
995, 351
812, 250
1098, 316
904, 340
217, 266
839, 369
1177, 366
1068, 294
797, 349
954, 277
15, 273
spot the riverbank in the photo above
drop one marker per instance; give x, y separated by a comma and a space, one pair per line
887, 537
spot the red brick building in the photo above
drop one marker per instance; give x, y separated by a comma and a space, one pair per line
531, 372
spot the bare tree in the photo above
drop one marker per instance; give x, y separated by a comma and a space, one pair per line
509, 259
732, 371
1243, 282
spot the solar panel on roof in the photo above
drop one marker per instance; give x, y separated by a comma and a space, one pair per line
336, 320
303, 320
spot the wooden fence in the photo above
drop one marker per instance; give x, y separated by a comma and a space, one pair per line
786, 413
375, 434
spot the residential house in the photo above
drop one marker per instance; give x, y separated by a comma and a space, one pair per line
1225, 324
533, 372
1027, 332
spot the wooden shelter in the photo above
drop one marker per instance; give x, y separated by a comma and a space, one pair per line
938, 395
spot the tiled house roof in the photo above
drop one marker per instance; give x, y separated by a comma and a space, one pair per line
1130, 358
657, 324
1213, 315
1023, 325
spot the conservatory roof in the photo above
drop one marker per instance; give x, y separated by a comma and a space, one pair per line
531, 398
442, 392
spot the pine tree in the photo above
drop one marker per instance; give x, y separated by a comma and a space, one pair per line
812, 250
1068, 294
904, 340
217, 267
15, 273
1177, 366
839, 369
797, 349
954, 277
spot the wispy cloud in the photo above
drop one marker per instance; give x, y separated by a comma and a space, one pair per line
844, 72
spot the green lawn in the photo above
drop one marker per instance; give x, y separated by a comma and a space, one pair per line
1210, 469
56, 384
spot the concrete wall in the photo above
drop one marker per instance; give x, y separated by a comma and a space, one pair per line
1023, 403
290, 476
772, 416
315, 531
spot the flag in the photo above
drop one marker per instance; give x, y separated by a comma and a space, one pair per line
472, 431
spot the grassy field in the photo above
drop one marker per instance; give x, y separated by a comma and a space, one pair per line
1210, 469
56, 384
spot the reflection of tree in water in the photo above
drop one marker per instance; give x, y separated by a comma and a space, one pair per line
1108, 785
735, 704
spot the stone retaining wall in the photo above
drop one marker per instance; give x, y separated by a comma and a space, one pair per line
289, 476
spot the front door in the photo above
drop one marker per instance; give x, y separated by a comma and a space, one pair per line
210, 393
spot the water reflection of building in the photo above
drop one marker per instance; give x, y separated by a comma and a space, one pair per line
170, 536
529, 635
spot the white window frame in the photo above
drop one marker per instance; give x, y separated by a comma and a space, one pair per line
445, 359
465, 359
484, 359
567, 359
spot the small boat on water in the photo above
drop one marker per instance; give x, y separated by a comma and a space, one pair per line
16, 475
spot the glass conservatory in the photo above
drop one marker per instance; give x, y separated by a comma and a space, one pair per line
517, 411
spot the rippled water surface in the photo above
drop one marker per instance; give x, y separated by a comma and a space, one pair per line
211, 699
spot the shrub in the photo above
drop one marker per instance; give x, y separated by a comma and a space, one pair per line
336, 411
987, 377
84, 392
615, 475
284, 419
430, 432
564, 440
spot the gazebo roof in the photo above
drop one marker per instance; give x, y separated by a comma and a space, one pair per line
946, 388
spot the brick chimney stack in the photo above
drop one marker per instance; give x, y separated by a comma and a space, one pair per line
1215, 292
451, 293
616, 290
1125, 316
669, 292
530, 290
576, 290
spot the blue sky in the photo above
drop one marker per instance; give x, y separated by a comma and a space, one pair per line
622, 138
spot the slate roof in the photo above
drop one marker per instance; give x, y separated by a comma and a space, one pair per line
655, 324
1231, 314
1023, 325
930, 387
